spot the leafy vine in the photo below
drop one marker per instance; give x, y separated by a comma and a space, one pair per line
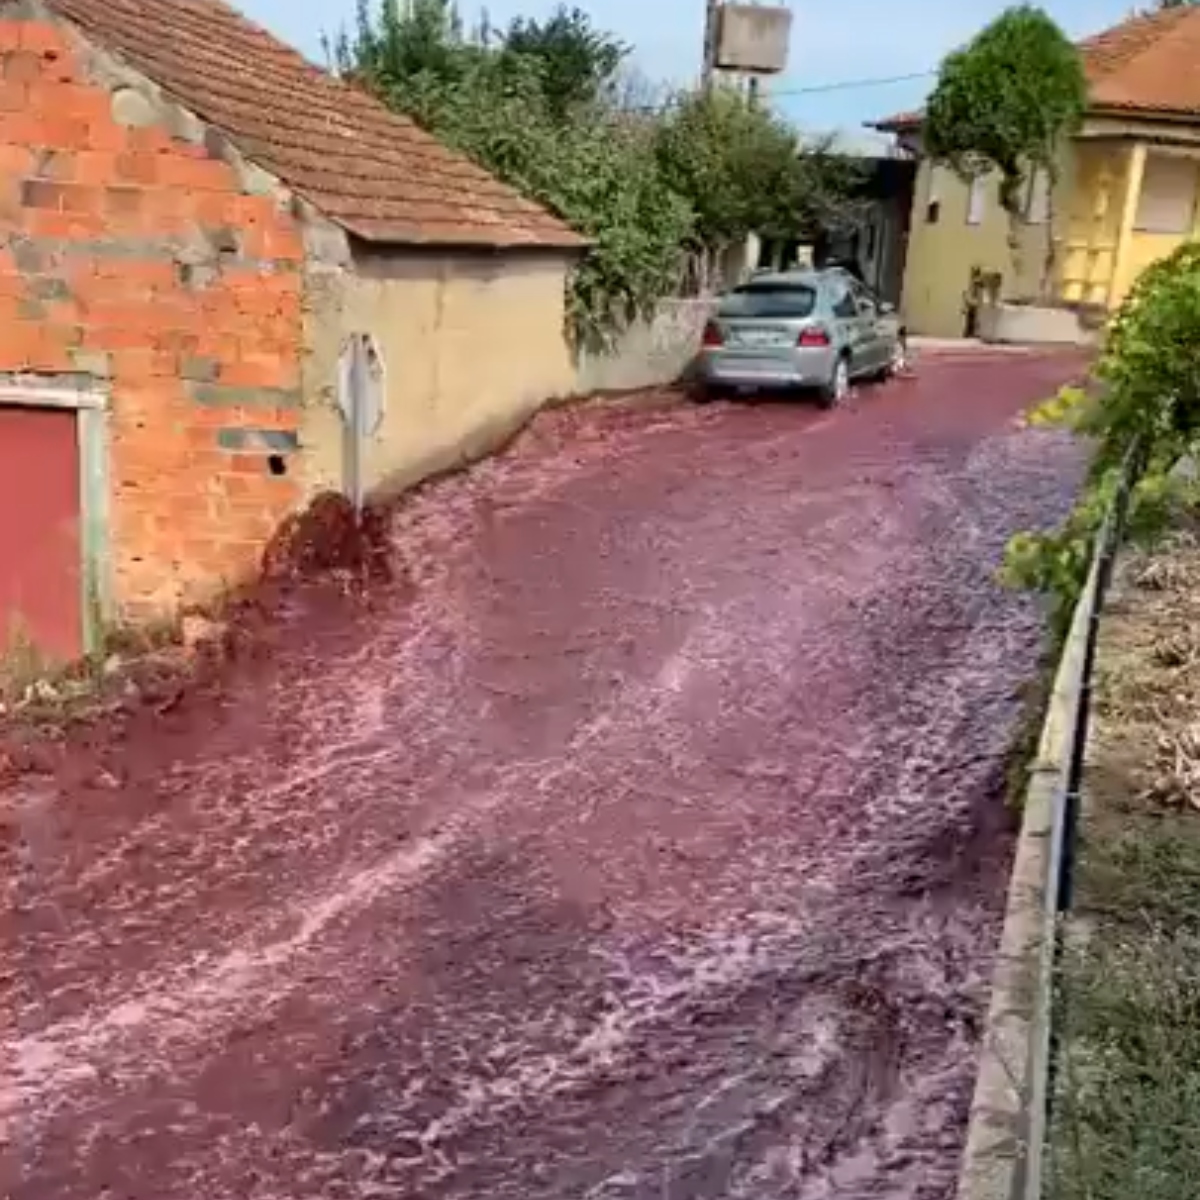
1145, 393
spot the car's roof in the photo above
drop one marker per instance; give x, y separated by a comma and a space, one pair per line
807, 277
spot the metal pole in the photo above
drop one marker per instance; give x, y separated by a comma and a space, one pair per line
1045, 1052
358, 387
712, 18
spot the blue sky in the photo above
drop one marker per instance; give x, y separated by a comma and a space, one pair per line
832, 42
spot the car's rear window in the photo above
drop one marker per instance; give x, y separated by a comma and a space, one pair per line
769, 300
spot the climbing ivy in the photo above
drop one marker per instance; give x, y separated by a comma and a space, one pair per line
1144, 399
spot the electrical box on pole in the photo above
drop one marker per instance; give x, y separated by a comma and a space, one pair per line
711, 25
752, 39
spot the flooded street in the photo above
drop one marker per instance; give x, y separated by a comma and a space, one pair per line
646, 841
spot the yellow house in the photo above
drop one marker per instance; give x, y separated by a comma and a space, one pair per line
1127, 193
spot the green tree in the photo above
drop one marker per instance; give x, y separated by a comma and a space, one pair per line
505, 108
711, 146
744, 170
410, 52
398, 43
1007, 102
552, 109
578, 62
819, 191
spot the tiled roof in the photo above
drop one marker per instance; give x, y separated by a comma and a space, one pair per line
373, 172
898, 122
1150, 64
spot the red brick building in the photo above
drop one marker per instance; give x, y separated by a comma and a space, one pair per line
185, 207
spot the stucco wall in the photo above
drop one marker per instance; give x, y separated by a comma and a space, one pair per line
650, 353
473, 344
1094, 271
1093, 221
1144, 250
1092, 266
941, 254
1167, 214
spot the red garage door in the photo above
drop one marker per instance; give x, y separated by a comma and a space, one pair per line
40, 559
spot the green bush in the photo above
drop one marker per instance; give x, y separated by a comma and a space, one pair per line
1145, 398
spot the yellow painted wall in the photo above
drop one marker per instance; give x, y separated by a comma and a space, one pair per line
1096, 272
1144, 249
1177, 181
473, 344
1092, 218
941, 255
1090, 206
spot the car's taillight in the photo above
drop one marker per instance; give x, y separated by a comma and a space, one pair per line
712, 335
813, 337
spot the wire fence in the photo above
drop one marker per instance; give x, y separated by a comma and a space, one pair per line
1058, 892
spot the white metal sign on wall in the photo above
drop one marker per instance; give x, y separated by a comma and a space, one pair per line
361, 396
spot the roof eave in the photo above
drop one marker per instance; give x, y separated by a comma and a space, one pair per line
1145, 112
535, 228
894, 125
381, 236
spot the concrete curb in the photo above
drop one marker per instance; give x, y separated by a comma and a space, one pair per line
1002, 1160
931, 347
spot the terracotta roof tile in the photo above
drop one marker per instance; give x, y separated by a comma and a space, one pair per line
1150, 63
897, 122
373, 172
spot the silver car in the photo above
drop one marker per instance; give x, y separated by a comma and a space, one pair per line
818, 330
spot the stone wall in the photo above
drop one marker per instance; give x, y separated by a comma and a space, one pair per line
139, 256
650, 354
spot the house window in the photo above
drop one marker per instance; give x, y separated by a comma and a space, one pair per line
933, 196
977, 200
844, 304
1168, 196
1037, 198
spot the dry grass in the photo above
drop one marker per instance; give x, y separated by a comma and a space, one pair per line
1127, 1117
36, 688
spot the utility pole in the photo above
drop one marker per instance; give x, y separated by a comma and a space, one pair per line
712, 18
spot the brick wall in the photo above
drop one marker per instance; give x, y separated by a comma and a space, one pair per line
134, 255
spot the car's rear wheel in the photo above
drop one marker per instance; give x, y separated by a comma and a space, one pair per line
837, 388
